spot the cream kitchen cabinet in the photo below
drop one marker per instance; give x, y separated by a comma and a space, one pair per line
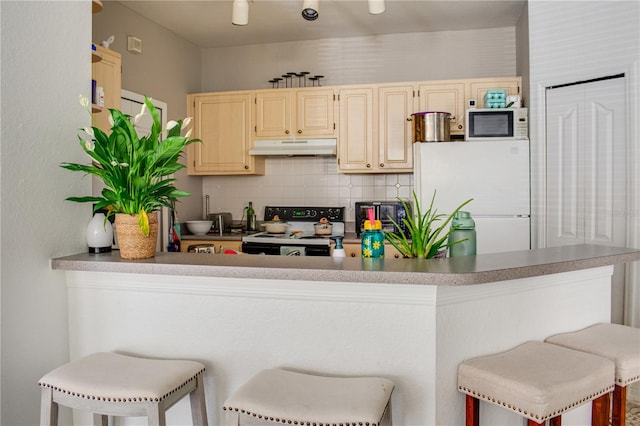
445, 96
476, 88
218, 244
357, 138
374, 134
295, 113
223, 121
355, 250
107, 72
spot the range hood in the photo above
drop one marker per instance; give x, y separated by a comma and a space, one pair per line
291, 147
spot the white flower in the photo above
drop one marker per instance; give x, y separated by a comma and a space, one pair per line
140, 114
188, 134
89, 131
171, 124
83, 101
89, 145
110, 118
114, 163
123, 165
186, 123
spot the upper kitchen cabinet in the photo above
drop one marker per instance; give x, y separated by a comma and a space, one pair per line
107, 74
223, 122
357, 141
374, 134
295, 113
478, 87
444, 96
395, 151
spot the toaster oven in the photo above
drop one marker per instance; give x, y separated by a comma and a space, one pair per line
384, 211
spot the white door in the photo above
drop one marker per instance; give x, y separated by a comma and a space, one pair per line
586, 164
586, 170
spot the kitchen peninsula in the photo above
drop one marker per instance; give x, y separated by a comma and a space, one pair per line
411, 321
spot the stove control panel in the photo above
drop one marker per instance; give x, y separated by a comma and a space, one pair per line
304, 214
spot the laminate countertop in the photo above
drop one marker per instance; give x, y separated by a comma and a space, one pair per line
467, 270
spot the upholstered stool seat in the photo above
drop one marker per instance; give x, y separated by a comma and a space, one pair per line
110, 384
302, 399
537, 380
618, 343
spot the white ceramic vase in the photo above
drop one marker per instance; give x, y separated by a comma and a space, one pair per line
99, 234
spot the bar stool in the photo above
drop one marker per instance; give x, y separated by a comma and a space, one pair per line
110, 384
280, 396
538, 381
618, 343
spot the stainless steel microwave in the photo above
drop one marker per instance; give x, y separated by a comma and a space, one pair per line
496, 124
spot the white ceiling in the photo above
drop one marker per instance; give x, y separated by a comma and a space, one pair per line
208, 23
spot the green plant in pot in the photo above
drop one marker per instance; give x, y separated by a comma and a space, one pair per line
137, 172
427, 233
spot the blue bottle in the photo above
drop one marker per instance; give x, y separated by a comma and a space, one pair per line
466, 230
372, 239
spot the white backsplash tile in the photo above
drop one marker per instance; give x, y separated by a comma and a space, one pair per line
312, 181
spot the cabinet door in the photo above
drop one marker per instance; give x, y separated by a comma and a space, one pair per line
223, 123
352, 250
477, 88
395, 153
273, 113
356, 123
445, 96
315, 113
107, 73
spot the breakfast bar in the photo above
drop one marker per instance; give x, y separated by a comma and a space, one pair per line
411, 321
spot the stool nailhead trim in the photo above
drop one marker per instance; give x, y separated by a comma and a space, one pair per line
628, 381
130, 399
300, 422
539, 419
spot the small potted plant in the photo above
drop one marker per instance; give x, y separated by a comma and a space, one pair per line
137, 174
427, 233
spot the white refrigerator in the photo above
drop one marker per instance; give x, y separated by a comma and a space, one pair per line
494, 173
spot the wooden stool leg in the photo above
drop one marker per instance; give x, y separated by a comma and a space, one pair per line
556, 421
198, 404
48, 408
600, 410
472, 411
619, 406
387, 419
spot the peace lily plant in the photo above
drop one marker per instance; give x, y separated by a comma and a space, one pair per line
136, 171
427, 233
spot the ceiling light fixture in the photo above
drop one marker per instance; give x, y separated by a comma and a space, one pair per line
376, 7
240, 14
310, 9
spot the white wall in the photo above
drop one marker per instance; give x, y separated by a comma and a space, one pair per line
359, 60
45, 65
601, 38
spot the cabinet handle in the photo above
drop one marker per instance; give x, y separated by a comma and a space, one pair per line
381, 164
353, 255
246, 167
397, 256
368, 166
409, 119
286, 132
299, 132
460, 126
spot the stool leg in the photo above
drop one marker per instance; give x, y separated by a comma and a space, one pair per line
387, 417
556, 421
472, 411
48, 408
100, 420
156, 414
198, 404
619, 406
600, 410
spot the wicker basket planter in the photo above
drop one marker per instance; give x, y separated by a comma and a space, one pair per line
132, 242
